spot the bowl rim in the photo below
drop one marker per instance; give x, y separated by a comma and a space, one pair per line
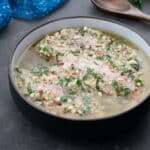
12, 82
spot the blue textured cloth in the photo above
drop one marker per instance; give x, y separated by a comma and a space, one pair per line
5, 13
26, 9
31, 9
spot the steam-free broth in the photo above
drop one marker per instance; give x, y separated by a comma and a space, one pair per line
83, 73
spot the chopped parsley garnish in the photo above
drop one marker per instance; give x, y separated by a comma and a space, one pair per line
93, 73
19, 75
97, 87
39, 100
119, 89
63, 37
29, 89
71, 91
111, 62
89, 70
64, 81
44, 50
136, 65
108, 56
99, 58
79, 83
59, 54
128, 73
73, 68
85, 78
84, 111
115, 84
82, 31
108, 45
139, 82
126, 91
64, 98
40, 70
67, 109
97, 84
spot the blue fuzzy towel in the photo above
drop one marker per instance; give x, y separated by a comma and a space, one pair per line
26, 9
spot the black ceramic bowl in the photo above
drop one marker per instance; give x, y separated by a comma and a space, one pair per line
48, 119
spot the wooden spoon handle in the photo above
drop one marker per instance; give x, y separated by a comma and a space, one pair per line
136, 13
144, 17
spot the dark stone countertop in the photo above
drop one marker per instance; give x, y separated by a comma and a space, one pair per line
19, 133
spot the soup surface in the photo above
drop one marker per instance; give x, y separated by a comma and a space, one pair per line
83, 73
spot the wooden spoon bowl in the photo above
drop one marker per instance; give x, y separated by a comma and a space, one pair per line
122, 7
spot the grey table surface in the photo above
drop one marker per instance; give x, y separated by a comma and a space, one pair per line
18, 133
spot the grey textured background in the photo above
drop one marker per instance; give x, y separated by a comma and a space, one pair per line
18, 133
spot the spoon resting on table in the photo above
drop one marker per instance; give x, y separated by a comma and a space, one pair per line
122, 7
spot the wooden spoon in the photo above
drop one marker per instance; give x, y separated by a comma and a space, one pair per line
122, 7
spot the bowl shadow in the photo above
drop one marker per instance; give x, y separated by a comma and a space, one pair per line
126, 125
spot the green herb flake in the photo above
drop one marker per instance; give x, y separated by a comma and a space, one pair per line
111, 62
44, 50
99, 58
136, 65
108, 45
82, 31
71, 91
95, 75
65, 81
67, 109
117, 87
115, 84
63, 37
85, 78
128, 73
126, 91
19, 75
39, 101
89, 70
73, 68
29, 90
139, 82
64, 99
79, 83
97, 87
84, 111
40, 70
97, 84
58, 54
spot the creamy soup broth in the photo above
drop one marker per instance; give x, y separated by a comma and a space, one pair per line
83, 73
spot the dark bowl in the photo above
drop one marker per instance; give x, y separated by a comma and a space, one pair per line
114, 123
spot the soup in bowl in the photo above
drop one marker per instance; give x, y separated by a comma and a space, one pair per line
81, 68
